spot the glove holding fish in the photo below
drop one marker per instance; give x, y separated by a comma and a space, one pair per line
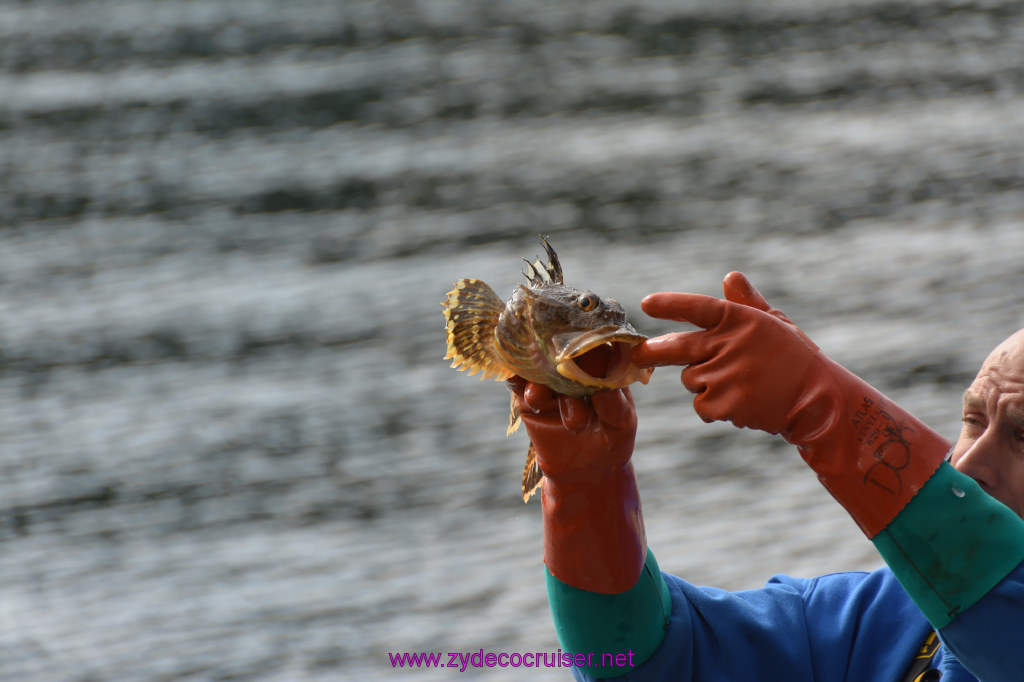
570, 340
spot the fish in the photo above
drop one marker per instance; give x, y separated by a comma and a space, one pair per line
568, 339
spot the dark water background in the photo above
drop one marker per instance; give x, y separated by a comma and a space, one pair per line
230, 447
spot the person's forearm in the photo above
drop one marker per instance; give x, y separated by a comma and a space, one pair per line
951, 544
608, 599
603, 627
594, 531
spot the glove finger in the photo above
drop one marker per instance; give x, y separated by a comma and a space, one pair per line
516, 384
715, 399
738, 289
614, 408
702, 311
693, 379
538, 397
709, 409
574, 412
680, 348
547, 424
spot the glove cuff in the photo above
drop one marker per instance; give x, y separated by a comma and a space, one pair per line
951, 545
594, 535
870, 454
599, 629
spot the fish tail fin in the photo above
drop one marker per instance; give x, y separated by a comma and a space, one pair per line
471, 313
533, 477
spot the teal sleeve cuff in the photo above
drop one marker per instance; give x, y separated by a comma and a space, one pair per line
608, 634
951, 544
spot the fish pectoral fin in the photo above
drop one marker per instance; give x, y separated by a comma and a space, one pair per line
471, 313
514, 420
533, 477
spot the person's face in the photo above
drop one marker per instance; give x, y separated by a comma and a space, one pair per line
991, 445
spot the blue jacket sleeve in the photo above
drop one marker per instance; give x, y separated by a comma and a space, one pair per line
986, 638
848, 626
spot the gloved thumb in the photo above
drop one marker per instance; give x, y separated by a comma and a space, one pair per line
738, 289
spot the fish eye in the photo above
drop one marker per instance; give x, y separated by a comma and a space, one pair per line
588, 302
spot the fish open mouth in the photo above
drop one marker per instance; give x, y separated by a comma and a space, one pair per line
600, 358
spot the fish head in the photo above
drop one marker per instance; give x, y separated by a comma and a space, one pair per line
572, 340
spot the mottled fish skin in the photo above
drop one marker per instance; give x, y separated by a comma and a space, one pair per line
537, 335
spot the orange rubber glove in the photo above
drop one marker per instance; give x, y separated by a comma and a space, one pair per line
750, 365
593, 523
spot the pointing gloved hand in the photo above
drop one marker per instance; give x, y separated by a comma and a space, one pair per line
750, 365
593, 523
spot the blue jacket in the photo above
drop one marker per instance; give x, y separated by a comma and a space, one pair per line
845, 626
